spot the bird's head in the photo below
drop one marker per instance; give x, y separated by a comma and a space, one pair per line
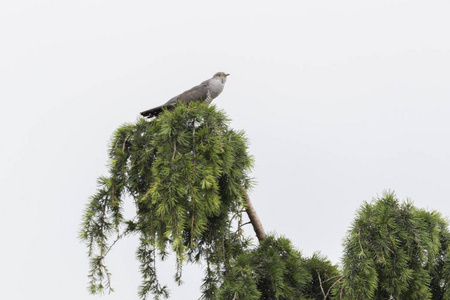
222, 76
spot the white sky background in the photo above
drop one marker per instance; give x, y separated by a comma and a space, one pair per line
340, 100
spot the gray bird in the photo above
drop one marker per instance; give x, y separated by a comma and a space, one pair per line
205, 91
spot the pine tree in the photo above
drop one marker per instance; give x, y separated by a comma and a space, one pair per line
187, 174
276, 270
396, 251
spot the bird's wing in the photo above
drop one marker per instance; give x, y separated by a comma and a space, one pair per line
199, 92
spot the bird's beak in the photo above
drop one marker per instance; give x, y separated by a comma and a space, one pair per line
227, 75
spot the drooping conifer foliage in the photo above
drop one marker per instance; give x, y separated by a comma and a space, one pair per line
276, 270
186, 172
396, 251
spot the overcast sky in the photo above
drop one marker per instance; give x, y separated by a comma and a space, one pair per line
340, 100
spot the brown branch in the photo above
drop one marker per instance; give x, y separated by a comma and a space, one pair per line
254, 219
174, 150
359, 240
332, 278
124, 142
321, 287
331, 287
244, 224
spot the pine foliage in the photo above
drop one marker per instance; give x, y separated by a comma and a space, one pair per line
276, 270
323, 277
185, 172
396, 251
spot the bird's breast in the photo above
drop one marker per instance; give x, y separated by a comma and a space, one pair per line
215, 88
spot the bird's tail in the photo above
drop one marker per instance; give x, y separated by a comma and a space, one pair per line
153, 112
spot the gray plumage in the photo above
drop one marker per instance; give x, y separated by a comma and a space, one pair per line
205, 91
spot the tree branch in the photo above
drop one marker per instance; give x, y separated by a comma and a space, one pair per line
254, 219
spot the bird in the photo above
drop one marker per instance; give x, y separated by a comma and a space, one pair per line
205, 92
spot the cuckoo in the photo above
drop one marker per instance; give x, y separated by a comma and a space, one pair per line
205, 92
